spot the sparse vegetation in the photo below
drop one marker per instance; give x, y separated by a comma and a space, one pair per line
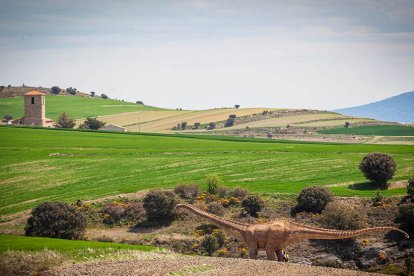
378, 168
56, 220
342, 216
159, 205
187, 191
252, 205
313, 199
64, 121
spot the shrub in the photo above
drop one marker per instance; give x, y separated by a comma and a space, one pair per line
313, 199
252, 204
223, 192
159, 204
93, 93
56, 220
183, 125
8, 117
213, 182
196, 125
139, 102
188, 191
210, 244
114, 213
56, 90
64, 121
134, 211
378, 200
405, 217
215, 208
239, 192
104, 96
230, 121
343, 216
236, 106
211, 125
410, 187
92, 123
207, 228
378, 168
347, 124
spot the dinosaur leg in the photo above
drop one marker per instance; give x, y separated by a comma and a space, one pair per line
279, 255
253, 250
270, 252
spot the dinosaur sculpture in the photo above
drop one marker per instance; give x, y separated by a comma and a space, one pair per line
276, 235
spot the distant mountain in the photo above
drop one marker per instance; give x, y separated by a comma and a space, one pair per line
395, 109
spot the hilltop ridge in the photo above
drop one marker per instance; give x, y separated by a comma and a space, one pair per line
394, 109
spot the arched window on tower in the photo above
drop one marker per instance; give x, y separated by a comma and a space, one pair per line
32, 100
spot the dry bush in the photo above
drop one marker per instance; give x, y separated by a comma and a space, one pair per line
134, 211
405, 217
215, 208
239, 192
252, 205
343, 216
159, 205
28, 263
187, 191
114, 212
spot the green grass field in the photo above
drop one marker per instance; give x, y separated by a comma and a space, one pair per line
372, 130
23, 243
76, 106
40, 165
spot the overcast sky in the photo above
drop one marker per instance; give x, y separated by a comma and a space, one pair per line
204, 54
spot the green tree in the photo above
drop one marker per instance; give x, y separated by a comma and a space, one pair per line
378, 167
56, 90
92, 123
64, 121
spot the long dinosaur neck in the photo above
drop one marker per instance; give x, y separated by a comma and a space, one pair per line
226, 224
304, 232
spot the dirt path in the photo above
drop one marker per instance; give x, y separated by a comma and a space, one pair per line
174, 264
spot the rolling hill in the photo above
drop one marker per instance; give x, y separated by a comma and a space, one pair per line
395, 109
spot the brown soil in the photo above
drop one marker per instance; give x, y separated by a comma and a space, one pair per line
175, 264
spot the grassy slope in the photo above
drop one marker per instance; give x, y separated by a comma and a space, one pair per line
10, 242
372, 130
75, 106
43, 164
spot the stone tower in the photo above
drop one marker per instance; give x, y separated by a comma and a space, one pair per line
34, 108
34, 111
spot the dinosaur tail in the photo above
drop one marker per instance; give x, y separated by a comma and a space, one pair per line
329, 234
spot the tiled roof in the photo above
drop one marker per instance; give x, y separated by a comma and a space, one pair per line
34, 93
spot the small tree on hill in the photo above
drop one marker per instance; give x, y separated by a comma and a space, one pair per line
236, 106
56, 90
71, 90
92, 123
378, 167
197, 125
252, 205
93, 93
56, 220
139, 102
230, 120
183, 125
211, 125
64, 121
347, 124
104, 96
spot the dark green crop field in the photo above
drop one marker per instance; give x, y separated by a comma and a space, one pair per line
76, 106
372, 130
22, 243
40, 165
